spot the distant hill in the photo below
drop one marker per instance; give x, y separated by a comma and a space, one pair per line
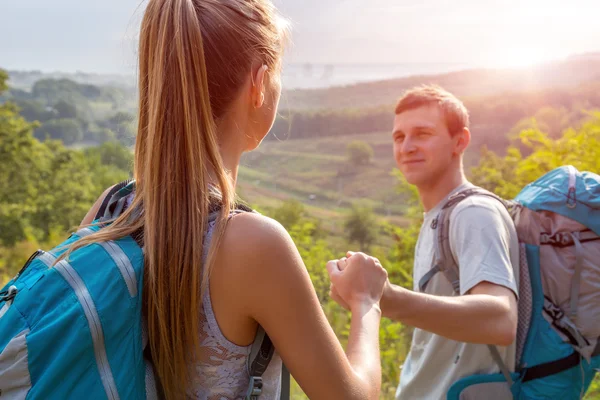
574, 71
556, 94
25, 80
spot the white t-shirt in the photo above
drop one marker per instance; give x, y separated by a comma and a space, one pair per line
484, 242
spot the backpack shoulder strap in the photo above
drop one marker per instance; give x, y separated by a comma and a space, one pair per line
447, 264
107, 199
444, 259
260, 356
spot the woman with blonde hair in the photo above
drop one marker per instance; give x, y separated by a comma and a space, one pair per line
209, 82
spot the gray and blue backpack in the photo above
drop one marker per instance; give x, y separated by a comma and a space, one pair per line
75, 330
557, 219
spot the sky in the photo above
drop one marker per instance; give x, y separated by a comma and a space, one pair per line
100, 36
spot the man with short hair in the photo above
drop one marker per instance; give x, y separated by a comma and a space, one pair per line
452, 329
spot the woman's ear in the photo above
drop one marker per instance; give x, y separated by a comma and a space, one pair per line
259, 86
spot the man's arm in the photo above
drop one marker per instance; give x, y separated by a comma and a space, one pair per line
488, 315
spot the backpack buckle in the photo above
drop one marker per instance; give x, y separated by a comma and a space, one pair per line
572, 198
255, 387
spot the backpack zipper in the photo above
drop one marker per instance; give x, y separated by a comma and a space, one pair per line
8, 296
28, 263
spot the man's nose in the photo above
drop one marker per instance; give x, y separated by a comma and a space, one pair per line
408, 146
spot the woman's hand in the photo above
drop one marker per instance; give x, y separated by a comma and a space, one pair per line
356, 281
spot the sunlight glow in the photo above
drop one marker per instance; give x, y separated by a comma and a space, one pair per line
520, 57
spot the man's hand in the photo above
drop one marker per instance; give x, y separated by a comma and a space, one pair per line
353, 260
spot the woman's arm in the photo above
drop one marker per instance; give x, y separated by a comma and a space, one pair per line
272, 287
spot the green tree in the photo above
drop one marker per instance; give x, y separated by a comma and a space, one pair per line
122, 124
67, 191
46, 188
33, 110
111, 154
65, 109
315, 254
98, 135
359, 153
22, 159
361, 226
69, 131
3, 81
289, 213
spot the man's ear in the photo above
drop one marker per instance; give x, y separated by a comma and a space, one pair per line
464, 139
257, 91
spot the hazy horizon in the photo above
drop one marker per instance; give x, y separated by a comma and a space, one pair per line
94, 37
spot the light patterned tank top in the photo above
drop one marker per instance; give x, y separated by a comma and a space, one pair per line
222, 366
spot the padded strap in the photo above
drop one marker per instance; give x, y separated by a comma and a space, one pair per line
498, 359
443, 253
107, 198
285, 383
260, 356
428, 276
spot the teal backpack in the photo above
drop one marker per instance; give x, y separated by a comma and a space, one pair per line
557, 219
75, 330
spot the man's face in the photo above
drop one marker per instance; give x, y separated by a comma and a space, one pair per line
423, 147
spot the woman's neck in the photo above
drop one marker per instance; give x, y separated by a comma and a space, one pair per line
231, 144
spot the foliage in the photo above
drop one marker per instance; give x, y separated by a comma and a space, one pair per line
65, 109
507, 175
33, 110
46, 188
289, 213
359, 153
111, 154
361, 226
68, 130
75, 113
3, 81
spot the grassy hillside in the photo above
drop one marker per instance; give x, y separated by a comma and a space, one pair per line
317, 171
